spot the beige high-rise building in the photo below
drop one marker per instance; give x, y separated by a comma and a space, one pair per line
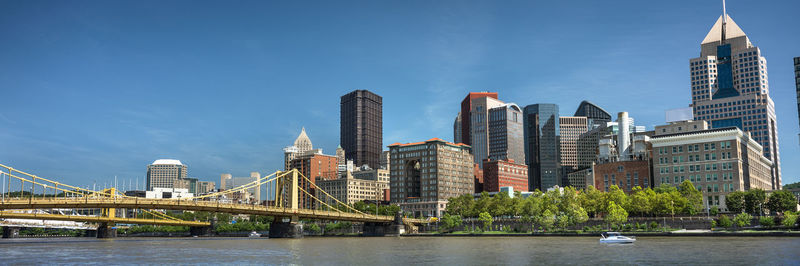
205, 187
301, 145
730, 87
718, 161
165, 173
424, 175
356, 186
571, 128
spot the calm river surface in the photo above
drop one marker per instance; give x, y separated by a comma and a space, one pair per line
449, 251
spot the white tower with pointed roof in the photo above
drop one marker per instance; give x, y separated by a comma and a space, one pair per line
301, 144
730, 88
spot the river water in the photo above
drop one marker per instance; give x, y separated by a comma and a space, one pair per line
449, 251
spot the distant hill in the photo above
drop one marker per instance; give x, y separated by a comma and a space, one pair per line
792, 185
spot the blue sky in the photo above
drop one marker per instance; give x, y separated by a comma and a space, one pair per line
94, 89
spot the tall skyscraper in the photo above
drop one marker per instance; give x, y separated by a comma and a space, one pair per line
595, 115
541, 133
462, 133
164, 173
570, 129
361, 128
506, 139
729, 88
797, 84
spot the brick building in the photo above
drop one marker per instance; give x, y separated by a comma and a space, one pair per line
504, 173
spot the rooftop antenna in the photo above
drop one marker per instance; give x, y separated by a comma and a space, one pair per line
724, 22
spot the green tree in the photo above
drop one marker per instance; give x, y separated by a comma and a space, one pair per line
616, 195
461, 205
781, 201
735, 201
754, 200
313, 229
714, 211
742, 219
482, 204
694, 198
591, 200
766, 221
517, 204
500, 205
641, 200
789, 219
616, 214
546, 219
724, 221
562, 221
486, 220
449, 222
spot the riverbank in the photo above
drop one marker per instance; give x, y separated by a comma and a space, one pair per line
679, 233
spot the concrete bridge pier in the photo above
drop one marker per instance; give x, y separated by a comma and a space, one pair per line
106, 230
379, 229
285, 227
10, 232
204, 230
201, 230
393, 228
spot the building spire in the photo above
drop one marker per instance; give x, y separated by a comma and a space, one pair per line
724, 22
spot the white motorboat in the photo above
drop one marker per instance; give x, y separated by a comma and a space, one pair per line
254, 234
616, 237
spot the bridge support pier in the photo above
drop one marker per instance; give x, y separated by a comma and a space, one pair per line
201, 230
379, 229
106, 230
284, 227
10, 232
394, 228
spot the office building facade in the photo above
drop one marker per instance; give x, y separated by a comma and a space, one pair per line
165, 173
542, 146
571, 128
424, 175
729, 87
362, 185
718, 161
314, 166
504, 173
479, 126
361, 128
463, 121
505, 133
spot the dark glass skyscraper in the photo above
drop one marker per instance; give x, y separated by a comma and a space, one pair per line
361, 128
541, 133
593, 113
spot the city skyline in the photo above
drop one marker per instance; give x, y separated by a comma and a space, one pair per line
137, 113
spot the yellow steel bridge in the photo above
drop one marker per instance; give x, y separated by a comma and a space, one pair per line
293, 191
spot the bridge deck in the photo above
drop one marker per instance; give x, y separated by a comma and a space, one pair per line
189, 205
98, 219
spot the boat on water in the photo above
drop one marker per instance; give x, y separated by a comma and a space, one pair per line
254, 234
616, 237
